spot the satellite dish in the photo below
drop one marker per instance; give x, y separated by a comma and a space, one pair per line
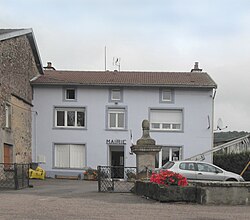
220, 125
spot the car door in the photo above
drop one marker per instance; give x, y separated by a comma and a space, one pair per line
209, 172
187, 169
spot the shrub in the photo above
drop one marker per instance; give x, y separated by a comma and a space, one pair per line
233, 162
168, 178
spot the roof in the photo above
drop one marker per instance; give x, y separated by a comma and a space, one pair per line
125, 78
224, 137
8, 31
6, 34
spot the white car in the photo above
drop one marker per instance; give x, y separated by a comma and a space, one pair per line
198, 170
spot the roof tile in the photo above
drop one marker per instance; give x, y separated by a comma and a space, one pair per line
125, 78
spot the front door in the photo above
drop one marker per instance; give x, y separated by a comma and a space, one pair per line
117, 164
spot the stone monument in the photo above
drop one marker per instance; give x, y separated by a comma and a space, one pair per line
145, 150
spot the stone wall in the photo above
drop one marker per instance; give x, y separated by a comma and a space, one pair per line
205, 193
17, 68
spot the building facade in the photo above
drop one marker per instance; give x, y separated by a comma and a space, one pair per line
90, 118
19, 63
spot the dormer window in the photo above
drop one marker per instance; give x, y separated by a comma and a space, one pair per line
166, 95
70, 94
115, 95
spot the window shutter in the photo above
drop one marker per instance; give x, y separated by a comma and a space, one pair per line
62, 156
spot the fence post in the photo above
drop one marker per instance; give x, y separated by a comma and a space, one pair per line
99, 178
27, 175
15, 176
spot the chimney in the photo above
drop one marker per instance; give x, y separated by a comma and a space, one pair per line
196, 68
49, 66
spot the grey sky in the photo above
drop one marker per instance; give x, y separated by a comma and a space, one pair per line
159, 35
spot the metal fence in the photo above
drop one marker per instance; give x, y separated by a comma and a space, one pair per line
116, 178
14, 176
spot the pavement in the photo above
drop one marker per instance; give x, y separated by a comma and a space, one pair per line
78, 199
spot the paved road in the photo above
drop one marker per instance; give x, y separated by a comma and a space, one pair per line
77, 199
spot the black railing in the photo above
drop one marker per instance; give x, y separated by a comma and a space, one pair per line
116, 178
14, 176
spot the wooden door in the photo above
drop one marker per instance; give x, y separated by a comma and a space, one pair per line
8, 153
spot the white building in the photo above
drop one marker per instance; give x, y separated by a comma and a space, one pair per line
91, 118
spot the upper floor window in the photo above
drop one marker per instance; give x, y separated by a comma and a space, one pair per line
166, 95
70, 94
115, 95
116, 118
7, 116
166, 119
70, 117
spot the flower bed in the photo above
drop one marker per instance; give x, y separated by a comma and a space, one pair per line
167, 186
90, 174
166, 193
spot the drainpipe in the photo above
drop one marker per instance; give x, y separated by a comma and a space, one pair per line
212, 122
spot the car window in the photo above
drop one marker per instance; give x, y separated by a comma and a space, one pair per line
187, 166
218, 170
203, 167
168, 165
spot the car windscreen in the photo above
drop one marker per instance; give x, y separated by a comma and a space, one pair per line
168, 165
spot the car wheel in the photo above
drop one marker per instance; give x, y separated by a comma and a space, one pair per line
232, 180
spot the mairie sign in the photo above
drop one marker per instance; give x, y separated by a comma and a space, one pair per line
115, 141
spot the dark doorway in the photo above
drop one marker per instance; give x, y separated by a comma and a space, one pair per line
117, 162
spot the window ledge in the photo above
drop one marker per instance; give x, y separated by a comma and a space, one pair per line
113, 129
170, 131
70, 100
68, 128
66, 168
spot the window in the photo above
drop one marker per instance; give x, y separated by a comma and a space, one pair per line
187, 166
166, 95
7, 116
115, 95
69, 156
70, 117
203, 167
166, 119
70, 94
116, 118
168, 154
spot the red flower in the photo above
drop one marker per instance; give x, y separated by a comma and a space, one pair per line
168, 178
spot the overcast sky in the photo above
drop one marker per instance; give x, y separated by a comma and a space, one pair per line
150, 35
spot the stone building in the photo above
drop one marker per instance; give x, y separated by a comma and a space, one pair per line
19, 63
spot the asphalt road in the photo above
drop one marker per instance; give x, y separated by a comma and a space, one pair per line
77, 199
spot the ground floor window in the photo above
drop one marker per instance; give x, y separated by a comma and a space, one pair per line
69, 156
168, 154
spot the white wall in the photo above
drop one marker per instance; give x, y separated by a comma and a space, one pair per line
196, 137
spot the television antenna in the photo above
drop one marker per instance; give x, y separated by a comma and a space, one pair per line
117, 62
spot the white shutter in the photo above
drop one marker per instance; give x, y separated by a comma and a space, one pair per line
166, 116
62, 155
77, 156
